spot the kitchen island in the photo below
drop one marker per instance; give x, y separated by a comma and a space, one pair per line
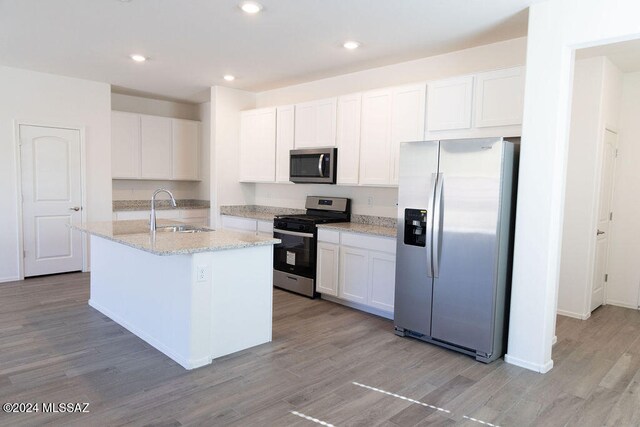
194, 296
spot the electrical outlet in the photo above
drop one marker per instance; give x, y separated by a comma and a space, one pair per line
201, 273
370, 200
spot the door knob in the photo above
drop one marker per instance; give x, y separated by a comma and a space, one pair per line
75, 208
600, 232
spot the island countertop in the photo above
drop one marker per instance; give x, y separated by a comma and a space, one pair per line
135, 233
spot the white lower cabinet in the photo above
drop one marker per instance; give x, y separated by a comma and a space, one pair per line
327, 274
353, 274
188, 216
357, 269
246, 224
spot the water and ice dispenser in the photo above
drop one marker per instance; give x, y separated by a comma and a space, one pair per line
415, 227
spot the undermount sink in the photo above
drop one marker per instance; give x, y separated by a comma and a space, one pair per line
181, 229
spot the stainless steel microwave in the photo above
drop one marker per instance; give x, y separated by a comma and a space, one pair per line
315, 165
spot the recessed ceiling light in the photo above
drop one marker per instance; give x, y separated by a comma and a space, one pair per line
137, 57
351, 45
229, 77
250, 7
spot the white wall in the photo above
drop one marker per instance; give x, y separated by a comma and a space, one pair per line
154, 107
556, 28
595, 106
226, 105
624, 252
383, 200
55, 100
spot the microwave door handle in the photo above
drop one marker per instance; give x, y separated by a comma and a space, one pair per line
320, 161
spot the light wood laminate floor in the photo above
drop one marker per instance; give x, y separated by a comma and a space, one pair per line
55, 348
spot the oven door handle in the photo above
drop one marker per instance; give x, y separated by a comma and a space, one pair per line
293, 233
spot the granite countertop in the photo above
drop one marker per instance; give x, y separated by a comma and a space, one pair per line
136, 234
353, 227
145, 205
262, 213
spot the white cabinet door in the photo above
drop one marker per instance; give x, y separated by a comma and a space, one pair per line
327, 269
265, 227
382, 276
315, 124
186, 149
258, 145
156, 147
375, 139
354, 274
348, 138
125, 145
239, 224
499, 97
284, 141
449, 103
407, 120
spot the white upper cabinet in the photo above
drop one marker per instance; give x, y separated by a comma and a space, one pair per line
499, 98
348, 138
156, 147
449, 103
284, 141
125, 145
186, 149
375, 138
407, 120
315, 124
389, 117
258, 145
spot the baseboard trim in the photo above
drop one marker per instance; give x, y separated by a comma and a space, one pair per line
621, 304
542, 368
182, 361
357, 306
574, 315
9, 279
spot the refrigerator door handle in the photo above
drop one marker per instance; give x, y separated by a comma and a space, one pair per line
429, 220
438, 213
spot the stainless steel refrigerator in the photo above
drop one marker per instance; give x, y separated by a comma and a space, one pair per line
456, 201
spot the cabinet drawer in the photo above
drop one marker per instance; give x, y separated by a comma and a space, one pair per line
381, 244
238, 223
194, 213
329, 236
265, 227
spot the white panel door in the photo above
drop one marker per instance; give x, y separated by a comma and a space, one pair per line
284, 141
407, 120
156, 147
604, 219
348, 138
186, 149
499, 98
354, 274
52, 199
125, 145
258, 145
375, 139
327, 269
382, 276
449, 103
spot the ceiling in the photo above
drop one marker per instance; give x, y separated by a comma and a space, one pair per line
626, 55
193, 43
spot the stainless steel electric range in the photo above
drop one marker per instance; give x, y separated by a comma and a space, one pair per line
294, 260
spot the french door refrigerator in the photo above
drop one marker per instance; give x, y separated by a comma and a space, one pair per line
456, 201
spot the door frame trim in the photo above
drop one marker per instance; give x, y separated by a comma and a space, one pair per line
83, 189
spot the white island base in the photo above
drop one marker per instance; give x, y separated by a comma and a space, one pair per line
191, 317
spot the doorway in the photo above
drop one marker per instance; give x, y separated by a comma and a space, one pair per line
51, 187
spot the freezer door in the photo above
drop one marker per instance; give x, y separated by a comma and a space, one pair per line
417, 177
465, 247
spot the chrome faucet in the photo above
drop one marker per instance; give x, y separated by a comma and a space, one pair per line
152, 220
